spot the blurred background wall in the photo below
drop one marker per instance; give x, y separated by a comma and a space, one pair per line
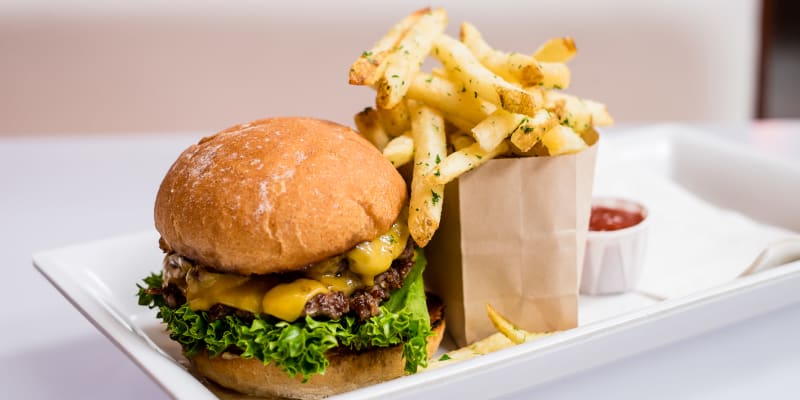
779, 96
95, 66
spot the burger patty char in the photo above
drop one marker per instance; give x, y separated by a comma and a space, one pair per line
364, 302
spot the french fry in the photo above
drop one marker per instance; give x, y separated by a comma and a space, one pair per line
525, 131
511, 331
513, 67
562, 140
458, 106
496, 127
367, 69
557, 50
537, 93
439, 72
459, 123
477, 80
464, 160
599, 111
538, 150
408, 56
400, 150
369, 126
461, 140
508, 329
396, 120
529, 132
554, 75
425, 205
575, 112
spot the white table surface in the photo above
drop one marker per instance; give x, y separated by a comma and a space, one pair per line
56, 191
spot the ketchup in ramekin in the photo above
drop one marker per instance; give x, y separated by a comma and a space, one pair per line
605, 218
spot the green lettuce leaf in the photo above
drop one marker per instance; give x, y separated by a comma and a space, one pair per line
299, 347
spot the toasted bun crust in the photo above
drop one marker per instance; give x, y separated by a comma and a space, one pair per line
275, 195
346, 372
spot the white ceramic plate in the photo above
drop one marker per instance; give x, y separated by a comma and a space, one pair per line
99, 278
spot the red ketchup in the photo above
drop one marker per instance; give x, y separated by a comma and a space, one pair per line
612, 219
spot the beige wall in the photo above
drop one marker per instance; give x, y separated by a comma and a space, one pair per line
94, 67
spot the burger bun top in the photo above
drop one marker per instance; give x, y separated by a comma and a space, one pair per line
275, 195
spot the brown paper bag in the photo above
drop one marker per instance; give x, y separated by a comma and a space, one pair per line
512, 235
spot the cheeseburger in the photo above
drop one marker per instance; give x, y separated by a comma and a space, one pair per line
289, 270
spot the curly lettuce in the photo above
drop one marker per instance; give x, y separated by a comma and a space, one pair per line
299, 347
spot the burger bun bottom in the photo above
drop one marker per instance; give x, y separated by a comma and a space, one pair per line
347, 371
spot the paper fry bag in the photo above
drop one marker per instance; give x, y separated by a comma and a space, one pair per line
512, 235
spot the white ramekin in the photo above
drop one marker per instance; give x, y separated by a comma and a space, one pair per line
614, 259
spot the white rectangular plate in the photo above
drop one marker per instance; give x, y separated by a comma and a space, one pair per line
99, 279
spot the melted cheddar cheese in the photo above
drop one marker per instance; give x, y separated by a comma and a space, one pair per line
264, 295
288, 300
208, 288
369, 259
329, 274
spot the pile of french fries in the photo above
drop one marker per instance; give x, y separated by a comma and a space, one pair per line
482, 103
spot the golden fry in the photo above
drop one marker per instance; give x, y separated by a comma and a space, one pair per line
516, 335
496, 128
513, 67
464, 160
425, 205
529, 132
400, 150
439, 72
577, 113
369, 126
367, 69
408, 56
599, 111
396, 120
562, 140
458, 106
538, 150
475, 79
461, 140
554, 75
557, 50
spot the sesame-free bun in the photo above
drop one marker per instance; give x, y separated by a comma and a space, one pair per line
275, 195
347, 371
